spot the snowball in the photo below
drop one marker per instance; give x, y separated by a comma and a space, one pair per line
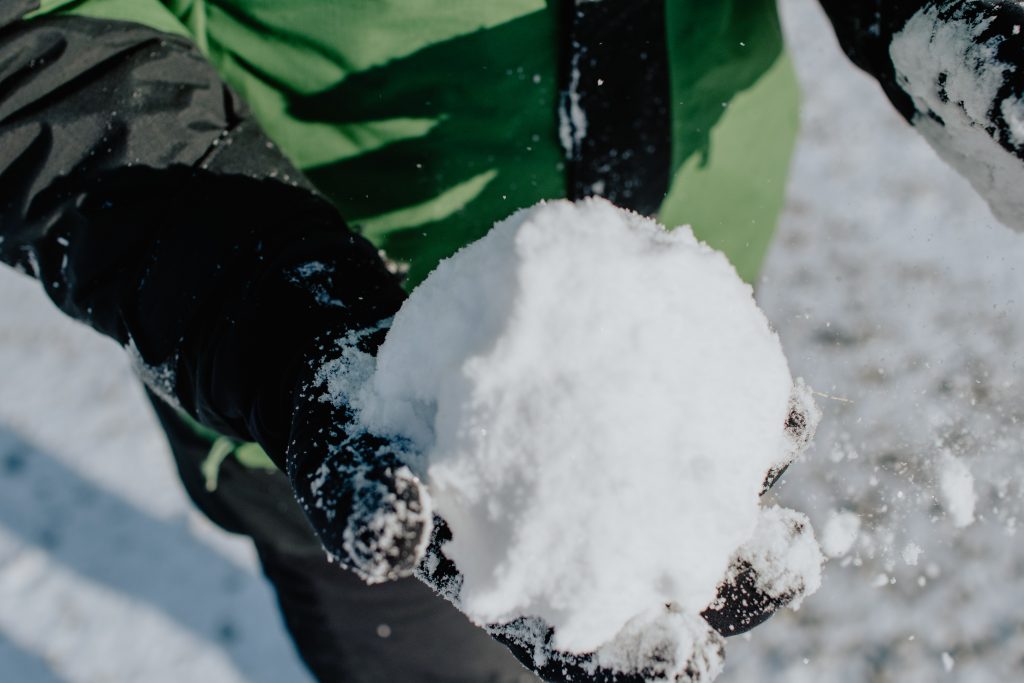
840, 532
957, 486
598, 402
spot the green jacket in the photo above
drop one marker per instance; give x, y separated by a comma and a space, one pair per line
425, 121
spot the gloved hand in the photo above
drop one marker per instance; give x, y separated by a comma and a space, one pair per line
372, 512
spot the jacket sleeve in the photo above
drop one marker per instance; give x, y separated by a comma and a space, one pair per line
955, 70
135, 186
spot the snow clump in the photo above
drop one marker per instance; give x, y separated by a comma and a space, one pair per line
597, 402
957, 486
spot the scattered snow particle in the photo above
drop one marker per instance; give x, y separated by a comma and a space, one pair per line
911, 553
383, 631
840, 533
957, 486
947, 662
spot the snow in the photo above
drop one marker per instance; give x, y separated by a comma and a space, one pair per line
957, 487
840, 533
911, 554
954, 80
582, 368
885, 258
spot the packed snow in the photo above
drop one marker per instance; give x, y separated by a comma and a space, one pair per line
582, 368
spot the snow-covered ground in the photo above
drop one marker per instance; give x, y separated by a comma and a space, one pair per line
895, 292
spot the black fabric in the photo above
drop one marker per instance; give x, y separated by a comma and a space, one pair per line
865, 29
400, 631
332, 616
615, 72
255, 502
12, 10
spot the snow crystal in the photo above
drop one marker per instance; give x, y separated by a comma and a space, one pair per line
599, 402
840, 533
957, 486
954, 80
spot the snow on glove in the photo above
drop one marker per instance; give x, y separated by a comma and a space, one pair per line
373, 512
955, 70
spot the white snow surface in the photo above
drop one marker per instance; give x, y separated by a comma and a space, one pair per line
599, 401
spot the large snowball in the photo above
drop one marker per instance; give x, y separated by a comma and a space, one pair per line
598, 401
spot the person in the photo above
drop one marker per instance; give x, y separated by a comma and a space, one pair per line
227, 187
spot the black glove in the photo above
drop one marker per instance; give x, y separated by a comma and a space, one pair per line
155, 210
373, 513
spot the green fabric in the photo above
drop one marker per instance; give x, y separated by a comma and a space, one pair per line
735, 121
249, 455
732, 197
425, 121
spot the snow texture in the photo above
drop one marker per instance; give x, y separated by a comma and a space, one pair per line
582, 368
954, 78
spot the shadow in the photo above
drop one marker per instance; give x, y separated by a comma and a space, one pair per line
18, 665
493, 96
108, 541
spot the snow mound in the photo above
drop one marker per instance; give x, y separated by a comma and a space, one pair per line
598, 402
